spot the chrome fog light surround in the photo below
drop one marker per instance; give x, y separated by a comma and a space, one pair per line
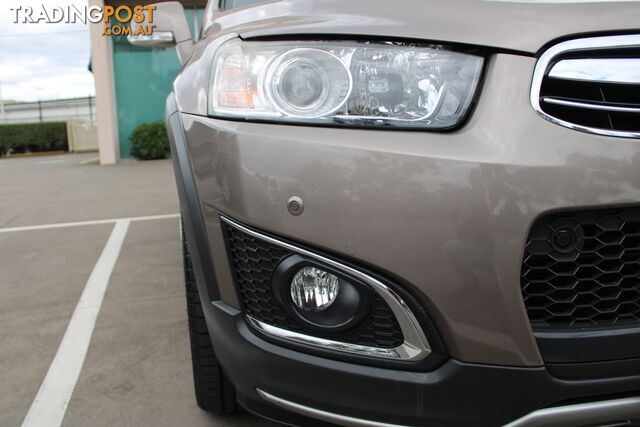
415, 347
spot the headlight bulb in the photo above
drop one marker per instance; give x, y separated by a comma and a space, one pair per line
303, 84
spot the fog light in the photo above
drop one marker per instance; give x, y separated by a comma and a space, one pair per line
313, 289
319, 298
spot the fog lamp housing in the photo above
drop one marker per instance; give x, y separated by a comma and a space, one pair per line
319, 297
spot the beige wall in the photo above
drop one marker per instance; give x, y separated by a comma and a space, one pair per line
106, 116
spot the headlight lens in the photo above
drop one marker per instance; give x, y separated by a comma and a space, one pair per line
344, 83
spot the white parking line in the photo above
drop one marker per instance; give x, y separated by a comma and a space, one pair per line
50, 162
81, 223
50, 404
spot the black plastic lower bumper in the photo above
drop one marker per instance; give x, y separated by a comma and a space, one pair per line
455, 394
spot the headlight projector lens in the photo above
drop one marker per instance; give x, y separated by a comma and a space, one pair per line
308, 83
319, 297
313, 289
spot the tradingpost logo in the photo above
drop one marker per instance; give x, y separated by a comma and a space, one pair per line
114, 18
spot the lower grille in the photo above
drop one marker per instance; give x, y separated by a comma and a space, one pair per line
254, 261
582, 270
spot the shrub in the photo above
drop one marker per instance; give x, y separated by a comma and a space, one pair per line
150, 141
33, 137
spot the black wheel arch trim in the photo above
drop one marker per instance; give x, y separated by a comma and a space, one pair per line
192, 218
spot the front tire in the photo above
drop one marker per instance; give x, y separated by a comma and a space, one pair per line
214, 392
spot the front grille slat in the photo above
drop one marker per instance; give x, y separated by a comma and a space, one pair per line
600, 106
592, 281
600, 70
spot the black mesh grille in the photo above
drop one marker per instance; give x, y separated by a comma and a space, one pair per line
582, 269
253, 262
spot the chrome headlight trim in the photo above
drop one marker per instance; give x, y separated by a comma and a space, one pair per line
415, 347
578, 45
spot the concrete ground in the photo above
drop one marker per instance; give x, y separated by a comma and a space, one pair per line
137, 368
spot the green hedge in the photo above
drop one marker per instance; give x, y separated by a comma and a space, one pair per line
149, 141
33, 137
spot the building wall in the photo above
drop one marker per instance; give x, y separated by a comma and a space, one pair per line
143, 80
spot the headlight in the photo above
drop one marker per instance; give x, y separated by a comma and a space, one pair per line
344, 83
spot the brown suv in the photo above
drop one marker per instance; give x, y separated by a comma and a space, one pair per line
412, 212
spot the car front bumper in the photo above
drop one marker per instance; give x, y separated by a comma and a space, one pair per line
447, 213
456, 394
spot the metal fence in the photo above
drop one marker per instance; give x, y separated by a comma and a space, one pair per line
79, 109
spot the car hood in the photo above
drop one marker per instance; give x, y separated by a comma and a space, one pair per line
525, 25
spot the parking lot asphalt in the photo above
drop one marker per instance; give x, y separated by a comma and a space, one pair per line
137, 368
